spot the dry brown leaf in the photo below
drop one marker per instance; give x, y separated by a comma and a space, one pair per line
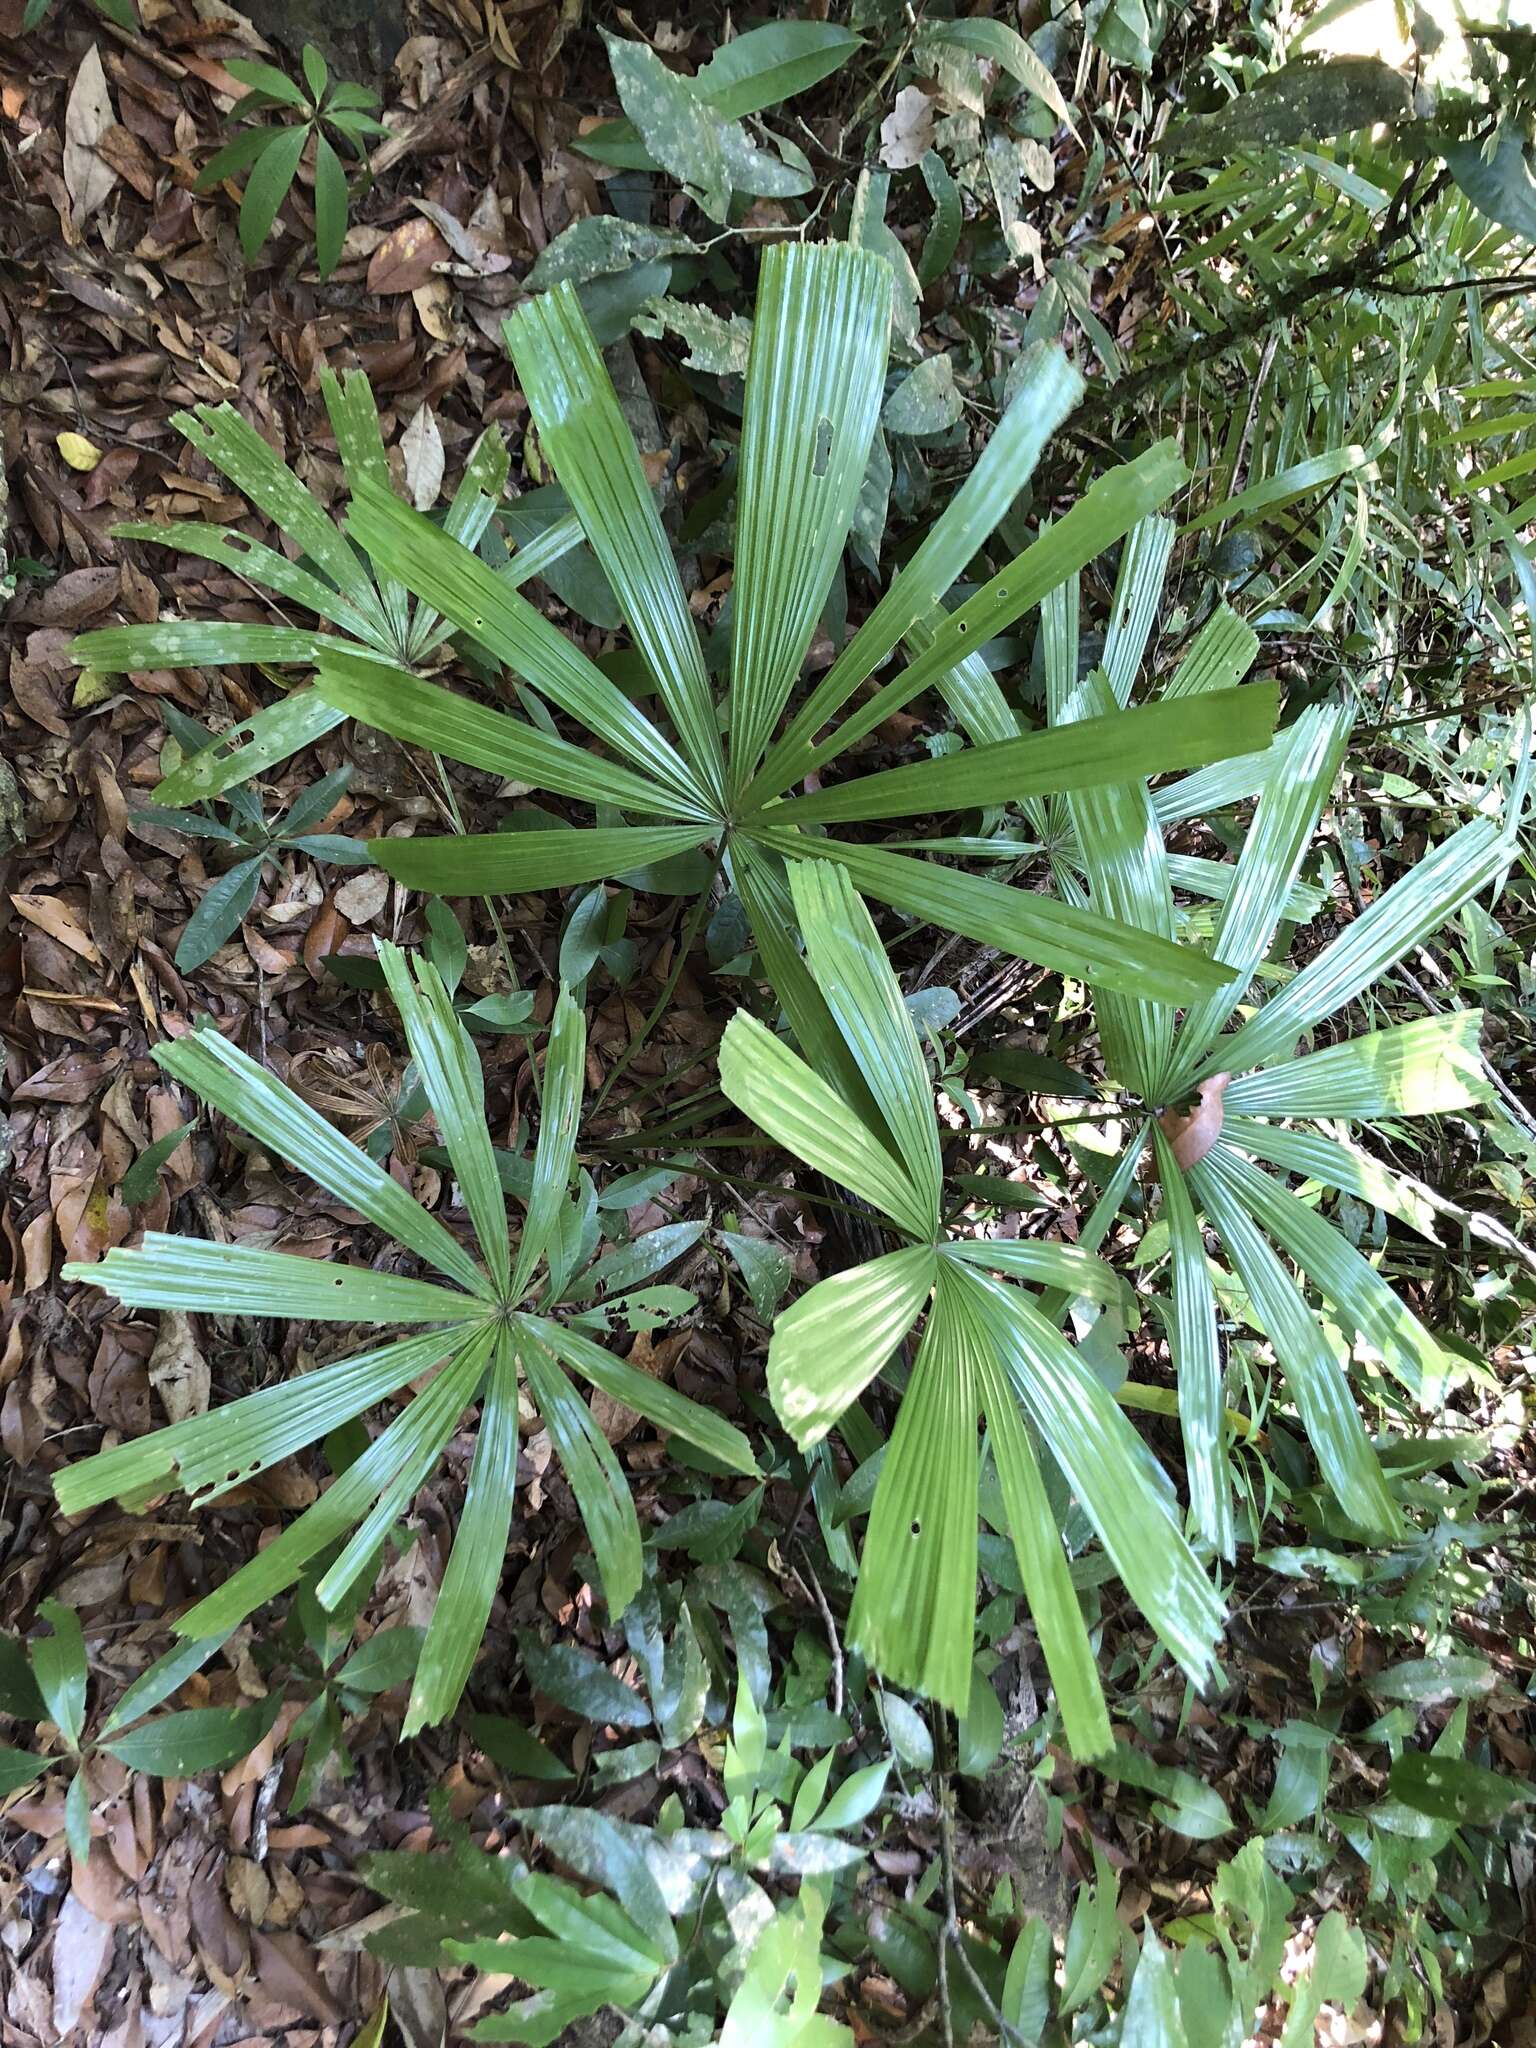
406, 258
82, 1948
178, 1371
1192, 1132
87, 117
421, 445
906, 133
654, 1356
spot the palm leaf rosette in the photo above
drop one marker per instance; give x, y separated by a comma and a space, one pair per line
987, 1353
707, 776
484, 1335
1232, 1103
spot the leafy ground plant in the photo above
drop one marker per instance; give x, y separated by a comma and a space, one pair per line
814, 385
986, 1351
269, 155
482, 1335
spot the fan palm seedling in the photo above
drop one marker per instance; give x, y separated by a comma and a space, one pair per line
986, 1351
485, 1337
1215, 1101
813, 391
370, 612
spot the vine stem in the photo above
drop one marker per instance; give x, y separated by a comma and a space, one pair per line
658, 1010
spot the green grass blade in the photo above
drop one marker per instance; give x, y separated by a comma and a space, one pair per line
448, 1068
1077, 942
479, 1551
815, 378
1197, 1360
237, 1280
1302, 773
451, 578
1053, 1602
1397, 921
520, 862
1314, 1375
1333, 1165
231, 1081
194, 643
1108, 1468
1078, 1274
565, 1073
658, 1403
354, 416
208, 1454
1048, 389
592, 1471
916, 1595
1113, 747
1105, 513
589, 442
471, 511
1215, 788
424, 714
828, 1345
851, 969
775, 1087
1420, 1069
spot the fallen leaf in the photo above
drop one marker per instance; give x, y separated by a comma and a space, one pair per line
82, 1947
361, 899
906, 133
653, 1356
1192, 1132
422, 447
77, 451
87, 117
178, 1371
406, 258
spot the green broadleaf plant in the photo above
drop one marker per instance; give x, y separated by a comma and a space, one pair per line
487, 1334
813, 393
1215, 1101
986, 1351
370, 614
269, 156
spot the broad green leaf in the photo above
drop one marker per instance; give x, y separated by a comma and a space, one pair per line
1216, 788
1315, 1377
230, 1080
234, 157
591, 1469
1357, 1292
1115, 747
849, 962
153, 1687
211, 1453
219, 914
197, 1739
19, 1767
775, 2004
1304, 765
237, 1280
330, 205
1105, 513
479, 1552
1090, 947
1005, 47
267, 187
1122, 852
521, 862
1397, 921
190, 643
18, 1688
828, 1345
392, 1465
820, 336
1220, 655
915, 1599
784, 1097
1053, 1602
249, 558
1448, 1788
657, 1403
1418, 1069
264, 78
452, 579
612, 1854
448, 1069
386, 1660
764, 1266
576, 1681
518, 1753
588, 440
354, 416
58, 1665
770, 64
559, 1112
1499, 184
1106, 1465
1197, 1360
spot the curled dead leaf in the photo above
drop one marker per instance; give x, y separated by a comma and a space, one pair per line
1192, 1132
